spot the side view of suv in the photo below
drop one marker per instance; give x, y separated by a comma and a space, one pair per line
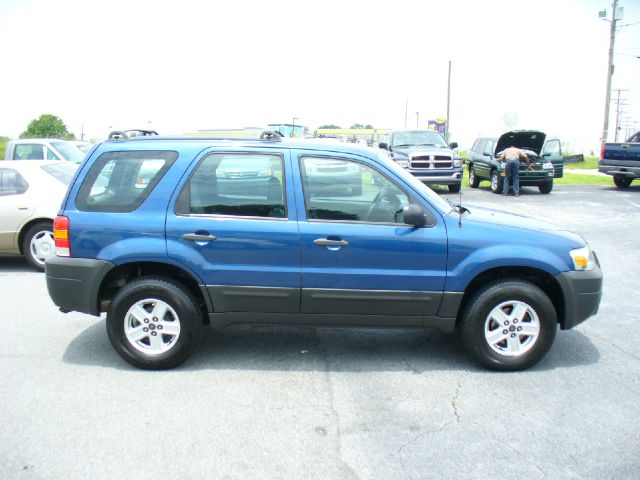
546, 159
161, 235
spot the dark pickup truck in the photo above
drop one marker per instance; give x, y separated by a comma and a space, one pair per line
622, 161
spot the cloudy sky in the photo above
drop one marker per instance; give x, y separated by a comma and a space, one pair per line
185, 65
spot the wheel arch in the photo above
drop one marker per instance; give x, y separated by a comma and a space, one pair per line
118, 276
25, 228
543, 280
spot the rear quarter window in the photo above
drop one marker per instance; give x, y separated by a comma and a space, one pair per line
120, 181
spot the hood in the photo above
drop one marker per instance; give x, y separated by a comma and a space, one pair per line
526, 139
423, 150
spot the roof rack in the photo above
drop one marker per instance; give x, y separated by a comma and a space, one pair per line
271, 135
136, 132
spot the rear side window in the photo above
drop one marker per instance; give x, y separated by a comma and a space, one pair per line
11, 182
245, 185
121, 181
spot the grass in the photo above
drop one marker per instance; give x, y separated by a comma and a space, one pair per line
579, 179
589, 163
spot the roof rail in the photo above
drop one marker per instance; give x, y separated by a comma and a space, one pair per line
136, 132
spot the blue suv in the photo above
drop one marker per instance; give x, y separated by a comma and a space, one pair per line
168, 234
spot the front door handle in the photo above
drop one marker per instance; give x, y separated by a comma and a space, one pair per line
195, 237
325, 242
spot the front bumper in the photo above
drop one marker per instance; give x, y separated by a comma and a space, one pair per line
582, 292
449, 177
74, 283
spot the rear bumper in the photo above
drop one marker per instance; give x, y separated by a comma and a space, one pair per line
582, 293
74, 283
632, 172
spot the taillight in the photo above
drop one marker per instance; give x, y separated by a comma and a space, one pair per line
61, 236
602, 151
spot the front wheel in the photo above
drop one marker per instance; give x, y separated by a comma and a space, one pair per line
509, 325
154, 323
38, 244
621, 181
546, 187
474, 182
496, 182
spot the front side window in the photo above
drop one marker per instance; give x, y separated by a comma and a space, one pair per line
235, 184
552, 148
11, 182
370, 196
49, 155
120, 181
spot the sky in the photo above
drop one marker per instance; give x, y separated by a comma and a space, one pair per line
181, 66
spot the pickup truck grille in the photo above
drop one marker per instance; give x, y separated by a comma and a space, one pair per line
430, 161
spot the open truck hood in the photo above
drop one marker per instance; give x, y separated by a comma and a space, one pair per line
525, 139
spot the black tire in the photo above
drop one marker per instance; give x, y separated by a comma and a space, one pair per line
474, 182
621, 181
38, 244
454, 188
148, 352
496, 182
546, 187
517, 351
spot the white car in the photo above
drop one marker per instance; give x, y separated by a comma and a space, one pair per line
43, 149
30, 196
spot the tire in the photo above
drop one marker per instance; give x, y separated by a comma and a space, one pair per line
454, 188
180, 322
492, 311
621, 181
38, 244
474, 182
496, 182
546, 187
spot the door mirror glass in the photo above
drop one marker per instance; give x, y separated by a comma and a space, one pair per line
414, 215
453, 144
383, 145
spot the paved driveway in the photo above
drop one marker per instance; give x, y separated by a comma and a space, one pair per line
303, 403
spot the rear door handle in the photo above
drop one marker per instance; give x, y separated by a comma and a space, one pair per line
325, 242
195, 237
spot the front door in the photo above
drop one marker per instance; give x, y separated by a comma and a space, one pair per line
233, 225
553, 153
358, 257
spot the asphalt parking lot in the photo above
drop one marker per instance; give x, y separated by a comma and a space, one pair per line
304, 403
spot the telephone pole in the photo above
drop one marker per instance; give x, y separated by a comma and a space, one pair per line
612, 40
448, 123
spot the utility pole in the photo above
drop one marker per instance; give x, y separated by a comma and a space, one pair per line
612, 40
417, 119
406, 110
448, 123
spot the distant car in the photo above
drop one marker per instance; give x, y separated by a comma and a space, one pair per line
546, 158
43, 149
30, 196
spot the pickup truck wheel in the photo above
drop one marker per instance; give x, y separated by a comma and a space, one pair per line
546, 187
474, 182
154, 323
454, 188
509, 325
621, 181
38, 244
496, 182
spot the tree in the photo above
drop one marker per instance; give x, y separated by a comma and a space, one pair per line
47, 126
329, 126
3, 146
361, 126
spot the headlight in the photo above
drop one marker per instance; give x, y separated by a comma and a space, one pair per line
583, 258
457, 162
547, 166
403, 163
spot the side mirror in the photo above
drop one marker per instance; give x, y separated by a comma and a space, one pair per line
453, 144
383, 146
414, 215
486, 154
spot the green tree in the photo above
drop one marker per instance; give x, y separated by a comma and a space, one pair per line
360, 125
47, 126
3, 146
329, 126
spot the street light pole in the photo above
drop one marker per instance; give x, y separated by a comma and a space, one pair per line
612, 39
417, 119
293, 128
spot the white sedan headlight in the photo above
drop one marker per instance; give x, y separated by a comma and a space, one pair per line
583, 258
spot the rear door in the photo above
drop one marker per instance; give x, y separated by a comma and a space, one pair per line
16, 205
358, 256
234, 224
552, 152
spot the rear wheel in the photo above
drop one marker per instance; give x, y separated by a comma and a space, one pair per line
621, 181
546, 187
38, 244
454, 188
474, 182
509, 325
154, 323
496, 182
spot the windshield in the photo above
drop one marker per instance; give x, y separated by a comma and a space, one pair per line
435, 200
62, 171
418, 137
69, 151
